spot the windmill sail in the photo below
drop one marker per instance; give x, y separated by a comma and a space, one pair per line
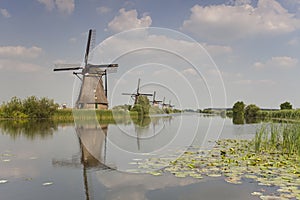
137, 94
92, 92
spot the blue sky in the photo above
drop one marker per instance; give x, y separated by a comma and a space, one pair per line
255, 45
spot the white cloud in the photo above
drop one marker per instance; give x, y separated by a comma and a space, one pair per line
190, 71
239, 2
283, 62
265, 82
20, 51
128, 20
293, 42
18, 66
5, 13
103, 10
73, 40
64, 6
227, 22
217, 49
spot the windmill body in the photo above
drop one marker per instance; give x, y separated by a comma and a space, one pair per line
136, 95
93, 90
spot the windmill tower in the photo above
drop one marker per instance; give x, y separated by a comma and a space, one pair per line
154, 101
93, 92
136, 95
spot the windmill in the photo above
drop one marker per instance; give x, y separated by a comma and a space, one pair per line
154, 101
93, 94
170, 105
137, 94
167, 105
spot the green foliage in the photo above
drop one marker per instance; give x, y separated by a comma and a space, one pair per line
31, 107
288, 115
251, 113
122, 108
238, 111
278, 138
286, 106
142, 106
155, 110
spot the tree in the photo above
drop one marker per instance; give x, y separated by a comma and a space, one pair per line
142, 106
251, 113
286, 106
31, 107
238, 111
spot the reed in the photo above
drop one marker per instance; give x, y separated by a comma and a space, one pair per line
278, 138
107, 116
293, 115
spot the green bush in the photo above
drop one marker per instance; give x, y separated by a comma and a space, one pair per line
251, 113
238, 112
286, 106
31, 107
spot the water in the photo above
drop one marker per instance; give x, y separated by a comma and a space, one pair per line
60, 161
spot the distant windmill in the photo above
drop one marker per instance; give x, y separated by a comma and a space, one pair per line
92, 92
164, 105
154, 101
167, 105
170, 105
137, 94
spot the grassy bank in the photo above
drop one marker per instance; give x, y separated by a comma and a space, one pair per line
107, 116
293, 115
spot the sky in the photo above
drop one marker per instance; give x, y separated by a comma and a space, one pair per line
197, 54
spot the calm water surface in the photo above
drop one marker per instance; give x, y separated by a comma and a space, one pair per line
62, 161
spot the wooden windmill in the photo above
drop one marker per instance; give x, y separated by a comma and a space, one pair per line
136, 95
154, 101
93, 93
167, 105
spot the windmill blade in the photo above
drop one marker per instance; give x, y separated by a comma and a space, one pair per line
154, 94
138, 86
65, 67
87, 51
92, 45
101, 69
144, 94
128, 94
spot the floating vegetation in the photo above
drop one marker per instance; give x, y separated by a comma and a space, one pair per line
47, 183
3, 181
237, 160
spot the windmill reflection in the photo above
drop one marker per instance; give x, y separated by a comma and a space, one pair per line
92, 142
96, 148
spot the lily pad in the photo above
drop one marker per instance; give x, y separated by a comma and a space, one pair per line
3, 181
47, 183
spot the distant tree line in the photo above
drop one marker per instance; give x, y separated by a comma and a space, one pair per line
32, 107
252, 113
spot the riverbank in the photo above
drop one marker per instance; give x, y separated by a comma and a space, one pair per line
104, 116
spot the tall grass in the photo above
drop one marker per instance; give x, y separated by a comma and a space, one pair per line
109, 116
278, 138
280, 114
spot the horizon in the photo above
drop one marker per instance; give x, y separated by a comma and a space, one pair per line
252, 58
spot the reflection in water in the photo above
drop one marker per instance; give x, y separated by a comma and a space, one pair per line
98, 155
28, 128
93, 144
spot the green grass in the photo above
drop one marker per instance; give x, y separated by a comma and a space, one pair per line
288, 115
278, 138
107, 116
